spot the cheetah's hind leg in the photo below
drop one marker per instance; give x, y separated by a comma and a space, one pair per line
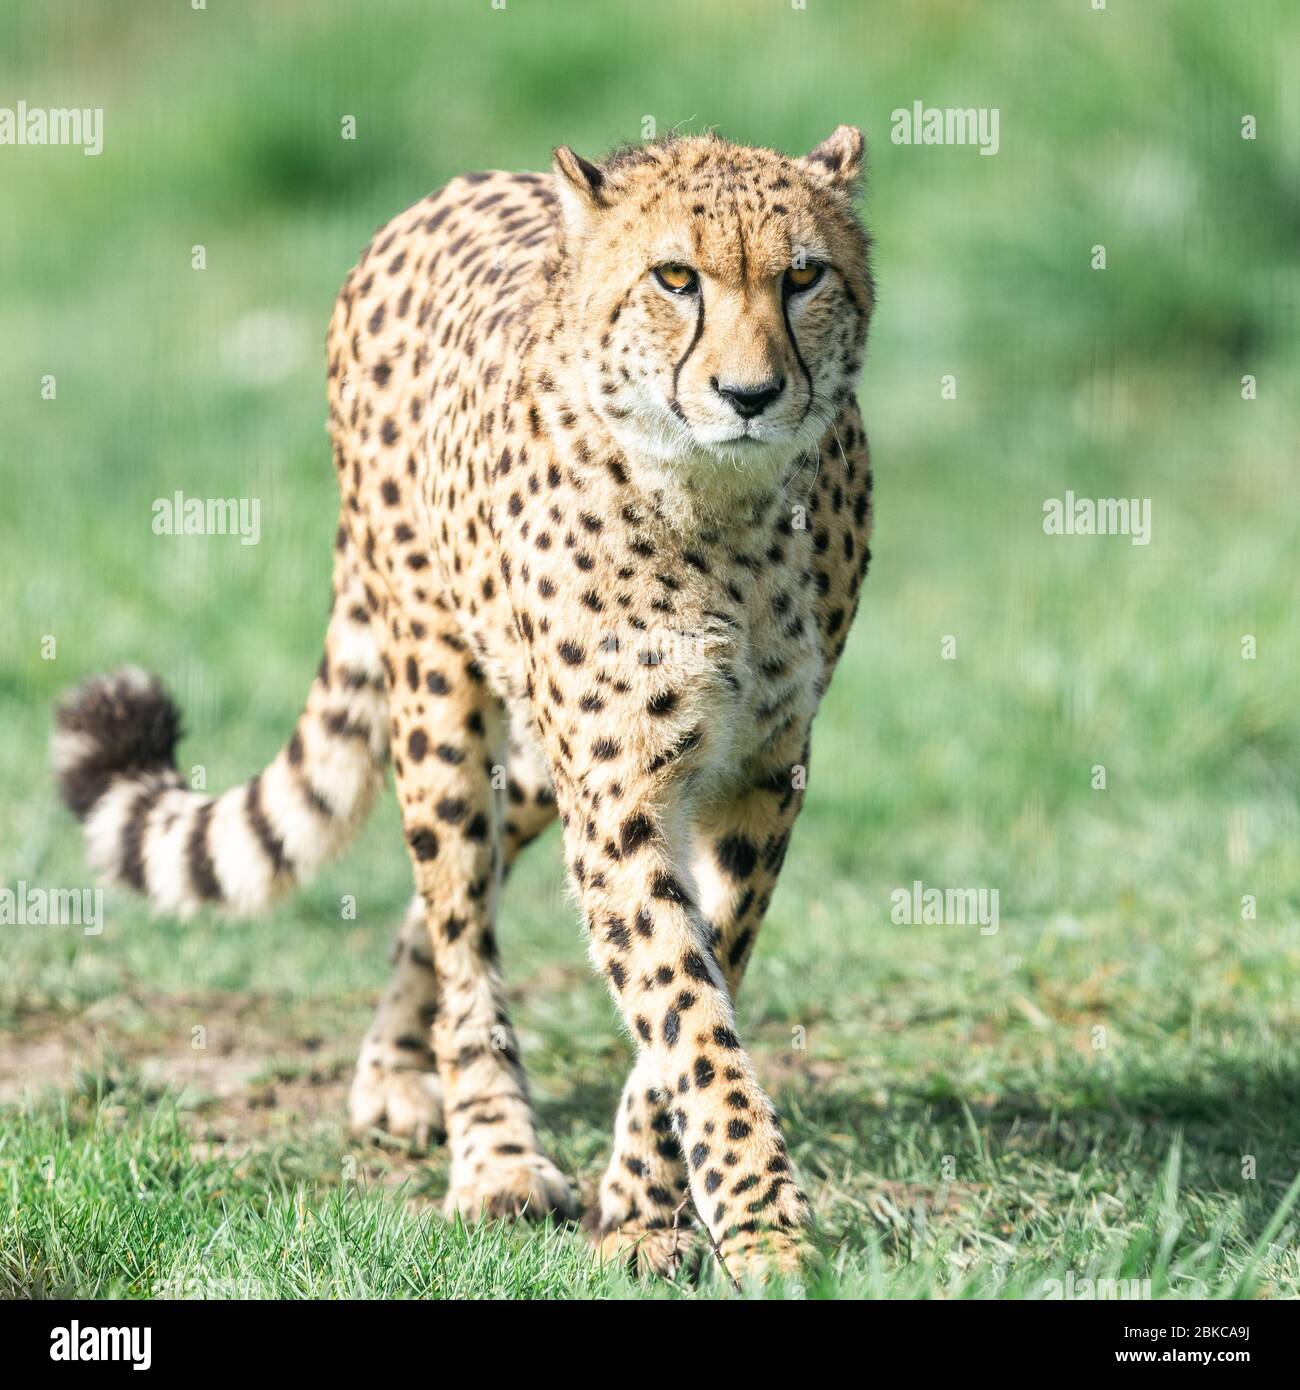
396, 1087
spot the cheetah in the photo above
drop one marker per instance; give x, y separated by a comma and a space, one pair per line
606, 502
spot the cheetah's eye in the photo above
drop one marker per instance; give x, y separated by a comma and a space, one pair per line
677, 279
802, 277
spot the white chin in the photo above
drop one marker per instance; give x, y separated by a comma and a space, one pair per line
700, 451
750, 452
765, 451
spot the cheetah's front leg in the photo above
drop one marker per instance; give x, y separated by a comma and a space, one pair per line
642, 1214
650, 939
738, 848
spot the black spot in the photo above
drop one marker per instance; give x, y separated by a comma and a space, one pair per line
424, 844
635, 831
737, 856
667, 887
616, 934
663, 703
695, 967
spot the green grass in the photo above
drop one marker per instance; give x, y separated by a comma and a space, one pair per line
961, 1124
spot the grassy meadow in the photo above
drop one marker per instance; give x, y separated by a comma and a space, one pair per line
1108, 1086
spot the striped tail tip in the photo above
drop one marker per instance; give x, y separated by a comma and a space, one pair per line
123, 725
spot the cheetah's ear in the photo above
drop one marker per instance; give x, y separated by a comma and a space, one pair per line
839, 159
580, 185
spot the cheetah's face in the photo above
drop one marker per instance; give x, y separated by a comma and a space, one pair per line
722, 297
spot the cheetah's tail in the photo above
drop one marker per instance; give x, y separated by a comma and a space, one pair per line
114, 746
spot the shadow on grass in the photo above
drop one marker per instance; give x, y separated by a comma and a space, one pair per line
1118, 1127
1238, 1126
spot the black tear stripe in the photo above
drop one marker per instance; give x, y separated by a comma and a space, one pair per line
133, 833
798, 356
677, 370
198, 856
271, 843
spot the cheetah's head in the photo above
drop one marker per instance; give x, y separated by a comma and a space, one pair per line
717, 298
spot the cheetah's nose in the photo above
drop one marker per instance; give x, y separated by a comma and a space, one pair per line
748, 401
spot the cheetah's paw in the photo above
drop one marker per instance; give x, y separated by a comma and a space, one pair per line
659, 1251
774, 1242
388, 1094
764, 1256
519, 1185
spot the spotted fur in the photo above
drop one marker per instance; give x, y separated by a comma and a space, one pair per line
601, 543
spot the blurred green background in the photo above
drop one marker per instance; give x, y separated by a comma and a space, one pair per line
961, 1122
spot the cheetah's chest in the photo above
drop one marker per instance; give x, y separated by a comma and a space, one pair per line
763, 671
780, 673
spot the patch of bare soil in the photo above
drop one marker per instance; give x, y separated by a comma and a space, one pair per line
235, 1060
245, 1071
